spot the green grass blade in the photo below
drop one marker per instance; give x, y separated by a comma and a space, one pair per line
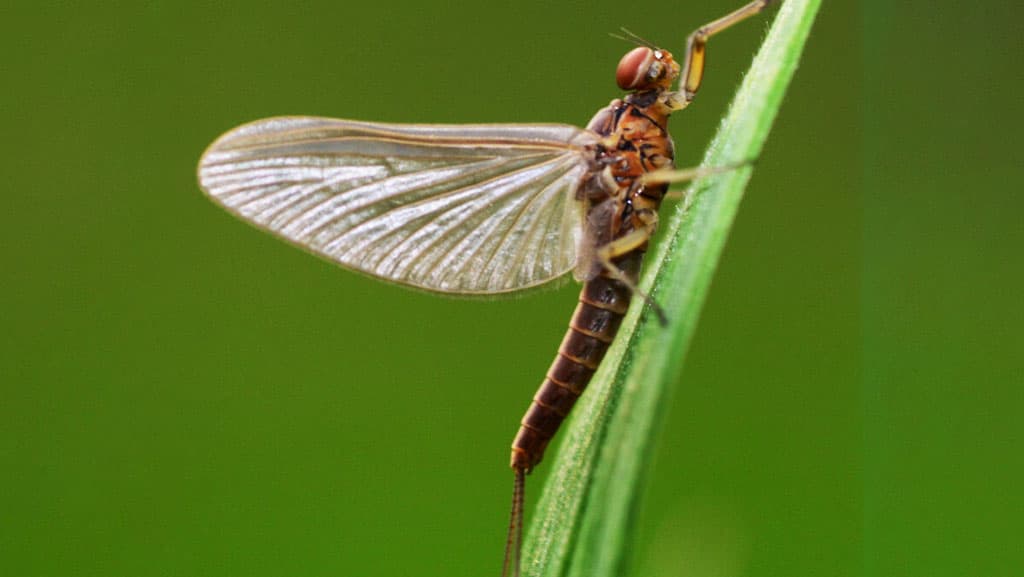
583, 522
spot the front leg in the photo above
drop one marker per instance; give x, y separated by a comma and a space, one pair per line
693, 62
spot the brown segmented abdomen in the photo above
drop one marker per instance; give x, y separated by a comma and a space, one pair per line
635, 139
602, 304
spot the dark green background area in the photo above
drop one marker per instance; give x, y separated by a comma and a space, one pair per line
183, 395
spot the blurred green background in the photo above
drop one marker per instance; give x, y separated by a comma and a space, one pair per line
183, 395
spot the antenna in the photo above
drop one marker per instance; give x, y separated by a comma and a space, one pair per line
632, 38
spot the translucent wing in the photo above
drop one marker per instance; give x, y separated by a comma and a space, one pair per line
473, 209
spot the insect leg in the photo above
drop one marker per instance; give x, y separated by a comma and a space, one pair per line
626, 244
693, 63
666, 175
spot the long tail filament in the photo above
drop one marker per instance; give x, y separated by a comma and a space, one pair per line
514, 541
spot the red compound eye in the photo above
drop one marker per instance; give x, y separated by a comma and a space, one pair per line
632, 71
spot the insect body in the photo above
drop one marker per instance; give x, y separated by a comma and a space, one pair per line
621, 213
482, 209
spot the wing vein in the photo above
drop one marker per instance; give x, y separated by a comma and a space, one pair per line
459, 209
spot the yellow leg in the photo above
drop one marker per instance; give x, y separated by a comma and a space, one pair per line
625, 245
693, 62
669, 175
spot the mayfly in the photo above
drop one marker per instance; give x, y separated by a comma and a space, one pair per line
483, 209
